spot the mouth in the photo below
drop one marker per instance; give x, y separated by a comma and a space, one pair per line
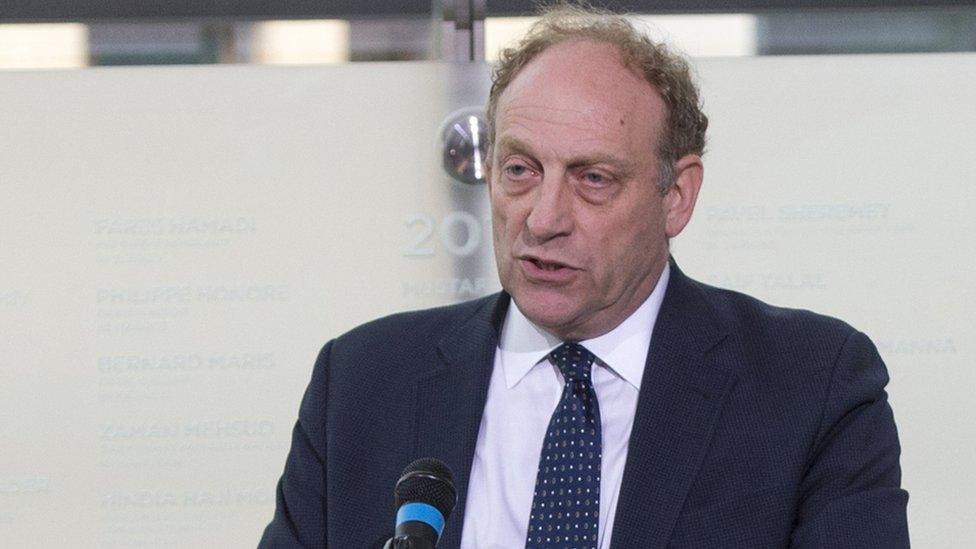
546, 265
537, 267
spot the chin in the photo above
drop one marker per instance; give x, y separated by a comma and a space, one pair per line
549, 312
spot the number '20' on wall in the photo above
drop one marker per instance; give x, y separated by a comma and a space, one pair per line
459, 233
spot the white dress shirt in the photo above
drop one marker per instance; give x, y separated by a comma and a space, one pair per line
524, 390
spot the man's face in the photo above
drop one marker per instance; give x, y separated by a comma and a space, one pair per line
579, 224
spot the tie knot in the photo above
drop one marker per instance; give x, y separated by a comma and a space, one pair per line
574, 361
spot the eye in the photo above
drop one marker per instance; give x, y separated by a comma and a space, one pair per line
596, 179
518, 171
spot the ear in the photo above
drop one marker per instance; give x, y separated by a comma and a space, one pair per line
679, 202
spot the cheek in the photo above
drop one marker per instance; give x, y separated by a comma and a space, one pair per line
627, 248
504, 219
497, 236
497, 224
500, 232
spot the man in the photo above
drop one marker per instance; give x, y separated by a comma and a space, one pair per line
604, 399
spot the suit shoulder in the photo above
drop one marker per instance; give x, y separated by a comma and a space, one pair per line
382, 354
770, 332
420, 324
747, 310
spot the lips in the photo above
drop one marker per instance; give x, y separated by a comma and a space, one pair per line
547, 265
545, 270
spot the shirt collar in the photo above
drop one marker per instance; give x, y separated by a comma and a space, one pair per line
623, 350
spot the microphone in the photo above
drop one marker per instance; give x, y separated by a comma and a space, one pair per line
425, 496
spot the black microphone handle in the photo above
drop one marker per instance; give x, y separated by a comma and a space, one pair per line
408, 542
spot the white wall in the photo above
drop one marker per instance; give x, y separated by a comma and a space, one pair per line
177, 243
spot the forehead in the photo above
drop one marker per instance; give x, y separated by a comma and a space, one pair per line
581, 92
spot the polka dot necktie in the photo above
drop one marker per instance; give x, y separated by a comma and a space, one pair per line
566, 503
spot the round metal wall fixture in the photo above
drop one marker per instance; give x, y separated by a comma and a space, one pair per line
463, 136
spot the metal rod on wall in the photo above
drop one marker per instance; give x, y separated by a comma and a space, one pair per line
463, 30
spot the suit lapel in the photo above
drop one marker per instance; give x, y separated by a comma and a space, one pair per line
681, 395
451, 400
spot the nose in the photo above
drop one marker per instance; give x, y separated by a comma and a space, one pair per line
552, 214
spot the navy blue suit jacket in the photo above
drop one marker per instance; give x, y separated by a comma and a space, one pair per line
756, 427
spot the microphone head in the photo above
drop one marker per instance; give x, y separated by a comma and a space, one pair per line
427, 480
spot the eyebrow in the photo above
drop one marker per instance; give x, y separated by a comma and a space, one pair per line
514, 144
626, 167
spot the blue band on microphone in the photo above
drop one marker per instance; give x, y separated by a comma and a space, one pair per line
421, 512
